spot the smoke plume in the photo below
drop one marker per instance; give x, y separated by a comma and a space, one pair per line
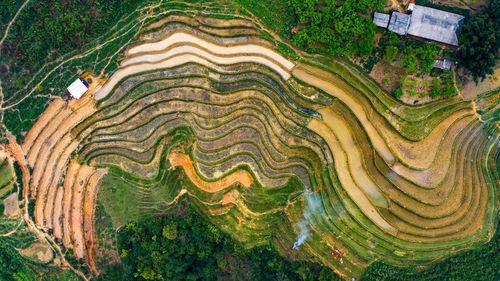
313, 206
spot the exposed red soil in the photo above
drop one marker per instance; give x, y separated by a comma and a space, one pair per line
230, 197
182, 160
67, 199
88, 215
40, 124
18, 154
58, 171
56, 219
76, 210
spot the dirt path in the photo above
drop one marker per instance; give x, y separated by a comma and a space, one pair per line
377, 141
88, 215
345, 177
63, 62
11, 22
182, 160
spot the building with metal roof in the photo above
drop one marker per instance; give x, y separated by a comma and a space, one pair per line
77, 88
380, 19
399, 23
442, 64
433, 24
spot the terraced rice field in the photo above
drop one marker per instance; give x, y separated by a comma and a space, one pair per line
270, 146
6, 175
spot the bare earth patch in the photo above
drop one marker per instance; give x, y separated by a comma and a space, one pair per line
182, 160
471, 90
38, 252
11, 205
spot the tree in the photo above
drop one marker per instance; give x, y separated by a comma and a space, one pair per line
390, 53
448, 91
201, 251
427, 54
436, 88
337, 27
398, 92
170, 231
481, 42
410, 63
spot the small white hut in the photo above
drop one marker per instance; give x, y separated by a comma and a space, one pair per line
77, 88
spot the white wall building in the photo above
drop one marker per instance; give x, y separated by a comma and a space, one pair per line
77, 88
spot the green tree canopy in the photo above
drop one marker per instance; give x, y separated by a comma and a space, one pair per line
335, 26
200, 251
481, 41
390, 53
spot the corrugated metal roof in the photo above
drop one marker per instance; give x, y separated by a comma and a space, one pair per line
442, 64
77, 88
381, 20
435, 25
399, 23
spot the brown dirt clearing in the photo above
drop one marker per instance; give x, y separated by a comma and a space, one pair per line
182, 160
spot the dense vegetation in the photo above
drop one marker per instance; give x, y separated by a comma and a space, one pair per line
47, 29
269, 10
337, 27
8, 9
184, 246
13, 267
188, 247
44, 34
481, 41
482, 264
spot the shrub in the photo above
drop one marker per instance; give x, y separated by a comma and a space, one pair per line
480, 38
410, 63
436, 88
448, 91
390, 53
405, 81
427, 54
398, 92
386, 80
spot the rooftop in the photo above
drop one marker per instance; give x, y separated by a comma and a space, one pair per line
399, 23
77, 88
381, 20
435, 25
442, 64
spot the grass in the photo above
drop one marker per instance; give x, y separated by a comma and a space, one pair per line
343, 216
244, 116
